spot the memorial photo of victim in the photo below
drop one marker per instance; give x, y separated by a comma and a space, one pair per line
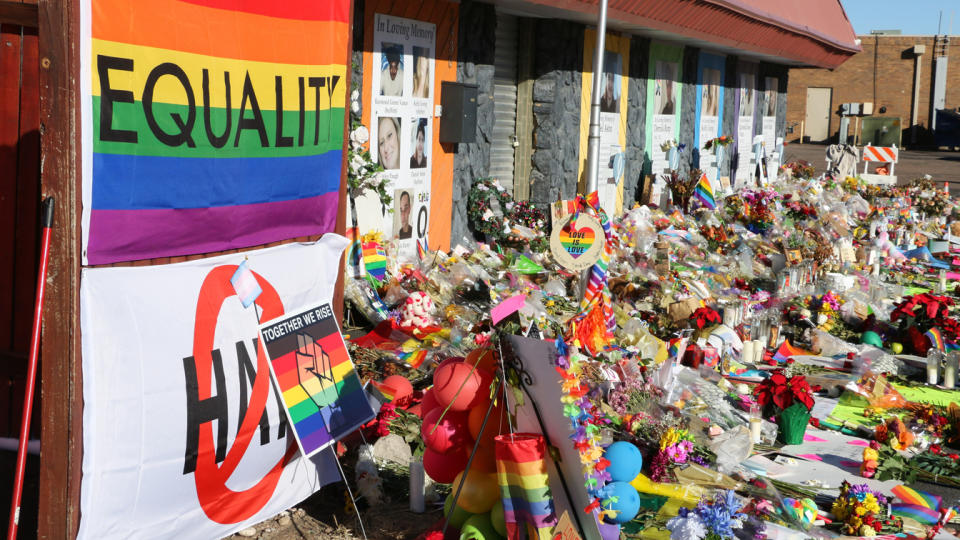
403, 201
391, 73
421, 72
418, 158
388, 142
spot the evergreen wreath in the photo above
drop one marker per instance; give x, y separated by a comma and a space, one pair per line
493, 213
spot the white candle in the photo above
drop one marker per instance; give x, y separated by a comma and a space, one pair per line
943, 281
755, 430
758, 350
416, 486
949, 375
746, 355
933, 367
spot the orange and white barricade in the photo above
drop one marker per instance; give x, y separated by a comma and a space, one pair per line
886, 157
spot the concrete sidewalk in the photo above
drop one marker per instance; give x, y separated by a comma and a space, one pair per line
942, 166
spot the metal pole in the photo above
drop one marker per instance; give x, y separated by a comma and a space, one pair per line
593, 140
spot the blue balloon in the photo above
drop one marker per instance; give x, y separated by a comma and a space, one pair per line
627, 505
625, 461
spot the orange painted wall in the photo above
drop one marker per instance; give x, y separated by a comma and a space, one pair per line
444, 14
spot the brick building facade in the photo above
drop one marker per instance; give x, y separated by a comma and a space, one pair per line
882, 73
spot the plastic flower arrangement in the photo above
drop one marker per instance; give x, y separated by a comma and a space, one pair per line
493, 212
713, 519
861, 510
778, 392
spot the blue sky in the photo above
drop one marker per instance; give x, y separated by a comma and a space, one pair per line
914, 17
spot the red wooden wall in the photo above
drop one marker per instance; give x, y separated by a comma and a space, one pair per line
19, 203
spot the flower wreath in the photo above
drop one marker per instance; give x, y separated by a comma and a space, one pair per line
496, 221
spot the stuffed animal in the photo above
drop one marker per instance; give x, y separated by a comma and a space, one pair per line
884, 244
418, 311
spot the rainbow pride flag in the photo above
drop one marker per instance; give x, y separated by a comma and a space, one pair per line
524, 484
210, 124
922, 514
919, 498
375, 260
321, 391
704, 192
936, 339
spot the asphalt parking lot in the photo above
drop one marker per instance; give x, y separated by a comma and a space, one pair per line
943, 166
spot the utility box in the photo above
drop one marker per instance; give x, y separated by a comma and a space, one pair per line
458, 120
867, 109
881, 131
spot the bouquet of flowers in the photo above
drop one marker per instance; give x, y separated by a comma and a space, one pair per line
494, 214
712, 519
723, 140
799, 169
683, 187
363, 174
862, 511
799, 211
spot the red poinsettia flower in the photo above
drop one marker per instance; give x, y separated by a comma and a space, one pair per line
705, 315
935, 448
779, 392
954, 456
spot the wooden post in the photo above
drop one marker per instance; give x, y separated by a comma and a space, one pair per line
61, 386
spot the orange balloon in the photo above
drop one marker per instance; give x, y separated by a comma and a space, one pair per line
496, 422
485, 459
456, 384
487, 359
402, 389
480, 491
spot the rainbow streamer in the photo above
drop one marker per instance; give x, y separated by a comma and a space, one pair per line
251, 159
936, 339
597, 290
922, 514
375, 260
421, 249
704, 192
919, 498
524, 484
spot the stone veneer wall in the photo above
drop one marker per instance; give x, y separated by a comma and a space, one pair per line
636, 119
729, 121
557, 66
688, 108
475, 56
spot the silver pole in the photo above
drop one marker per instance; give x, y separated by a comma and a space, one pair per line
593, 140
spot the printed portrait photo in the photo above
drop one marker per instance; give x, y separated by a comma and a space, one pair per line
421, 72
711, 92
388, 142
747, 94
665, 98
402, 208
391, 69
612, 70
418, 142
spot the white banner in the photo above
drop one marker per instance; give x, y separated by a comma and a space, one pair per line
745, 158
183, 434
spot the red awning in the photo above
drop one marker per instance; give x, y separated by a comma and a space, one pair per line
806, 32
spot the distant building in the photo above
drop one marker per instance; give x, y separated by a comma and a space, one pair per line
882, 74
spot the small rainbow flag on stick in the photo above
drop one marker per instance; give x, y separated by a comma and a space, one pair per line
704, 192
421, 249
375, 260
524, 485
936, 339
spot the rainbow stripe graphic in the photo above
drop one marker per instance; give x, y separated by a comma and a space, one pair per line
704, 192
919, 498
922, 514
524, 485
212, 124
375, 260
936, 339
312, 370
